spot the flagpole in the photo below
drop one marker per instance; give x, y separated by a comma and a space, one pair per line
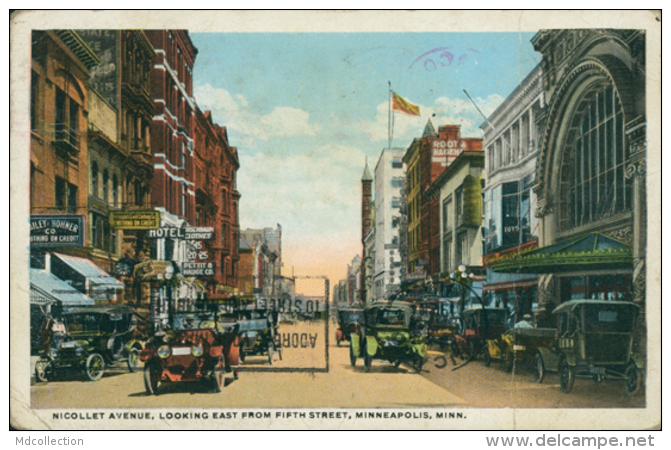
389, 119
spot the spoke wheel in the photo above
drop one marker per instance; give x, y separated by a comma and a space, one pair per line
566, 376
241, 354
219, 376
43, 370
133, 360
367, 359
486, 358
508, 360
419, 363
539, 368
152, 375
95, 366
632, 380
352, 356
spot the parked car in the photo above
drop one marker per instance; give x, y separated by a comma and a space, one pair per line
518, 344
258, 331
593, 340
349, 322
197, 347
95, 338
479, 325
390, 334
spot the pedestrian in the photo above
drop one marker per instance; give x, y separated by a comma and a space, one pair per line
525, 322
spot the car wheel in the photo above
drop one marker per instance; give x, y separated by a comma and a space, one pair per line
632, 380
419, 363
95, 366
508, 360
367, 358
397, 363
42, 370
352, 356
241, 355
566, 376
133, 360
219, 375
539, 368
486, 358
270, 355
152, 375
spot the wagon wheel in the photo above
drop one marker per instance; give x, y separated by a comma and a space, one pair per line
95, 366
133, 360
352, 356
539, 368
632, 380
508, 360
152, 375
43, 370
367, 358
219, 375
566, 376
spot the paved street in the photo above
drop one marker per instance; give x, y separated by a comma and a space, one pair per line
343, 386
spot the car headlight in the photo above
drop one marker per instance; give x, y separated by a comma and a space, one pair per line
166, 338
197, 350
53, 353
164, 351
79, 351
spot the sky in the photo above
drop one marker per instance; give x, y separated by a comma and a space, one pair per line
305, 110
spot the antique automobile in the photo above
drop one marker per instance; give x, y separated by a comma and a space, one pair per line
349, 322
391, 333
479, 325
258, 331
593, 340
518, 344
196, 347
95, 338
436, 312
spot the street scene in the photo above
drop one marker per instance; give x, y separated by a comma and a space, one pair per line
338, 220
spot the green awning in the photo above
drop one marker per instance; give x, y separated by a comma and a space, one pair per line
587, 252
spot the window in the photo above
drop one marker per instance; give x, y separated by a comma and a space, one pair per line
397, 182
447, 205
106, 179
115, 191
94, 179
396, 202
66, 196
34, 96
60, 114
598, 187
510, 214
396, 163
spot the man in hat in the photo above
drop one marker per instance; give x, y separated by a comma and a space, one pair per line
525, 322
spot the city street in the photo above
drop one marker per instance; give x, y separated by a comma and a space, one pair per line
472, 385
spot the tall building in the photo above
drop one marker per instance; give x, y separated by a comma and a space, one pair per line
217, 199
510, 225
367, 232
389, 181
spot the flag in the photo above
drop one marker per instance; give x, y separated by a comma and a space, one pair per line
398, 103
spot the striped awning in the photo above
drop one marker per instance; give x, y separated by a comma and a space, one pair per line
89, 270
47, 288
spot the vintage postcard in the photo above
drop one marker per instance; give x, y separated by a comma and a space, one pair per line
335, 220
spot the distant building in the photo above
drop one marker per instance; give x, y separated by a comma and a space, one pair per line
261, 262
389, 182
367, 228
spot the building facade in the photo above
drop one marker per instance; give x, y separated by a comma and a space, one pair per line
591, 164
510, 225
389, 181
261, 262
217, 200
367, 233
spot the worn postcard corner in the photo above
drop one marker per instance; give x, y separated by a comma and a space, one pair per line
335, 220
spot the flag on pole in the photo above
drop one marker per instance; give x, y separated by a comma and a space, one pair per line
398, 103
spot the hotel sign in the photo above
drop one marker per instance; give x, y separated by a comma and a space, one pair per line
56, 230
186, 233
135, 220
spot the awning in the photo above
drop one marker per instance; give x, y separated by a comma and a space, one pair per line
46, 288
89, 270
587, 252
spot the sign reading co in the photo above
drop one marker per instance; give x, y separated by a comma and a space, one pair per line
186, 233
56, 230
197, 269
135, 220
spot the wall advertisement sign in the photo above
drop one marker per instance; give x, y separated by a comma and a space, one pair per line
135, 220
56, 230
186, 233
446, 151
192, 269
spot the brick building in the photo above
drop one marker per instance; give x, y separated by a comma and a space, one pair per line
217, 199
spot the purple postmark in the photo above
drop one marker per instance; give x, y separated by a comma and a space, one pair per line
443, 56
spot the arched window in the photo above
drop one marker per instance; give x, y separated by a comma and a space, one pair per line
597, 185
94, 179
115, 191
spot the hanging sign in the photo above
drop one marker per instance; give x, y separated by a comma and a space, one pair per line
135, 220
186, 233
56, 230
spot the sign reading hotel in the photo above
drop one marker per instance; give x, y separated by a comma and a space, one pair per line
446, 150
193, 269
56, 231
186, 233
135, 220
